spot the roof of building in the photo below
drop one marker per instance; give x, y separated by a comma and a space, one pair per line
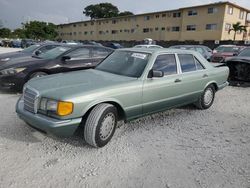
160, 12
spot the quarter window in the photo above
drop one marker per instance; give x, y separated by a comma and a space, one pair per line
166, 63
187, 62
100, 52
199, 66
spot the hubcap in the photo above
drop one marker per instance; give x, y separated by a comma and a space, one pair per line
108, 124
208, 96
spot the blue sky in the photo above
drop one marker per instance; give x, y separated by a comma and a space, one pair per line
13, 12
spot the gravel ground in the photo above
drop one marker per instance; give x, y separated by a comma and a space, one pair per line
183, 147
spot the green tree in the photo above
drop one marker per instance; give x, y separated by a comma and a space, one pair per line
40, 30
102, 10
18, 33
125, 13
237, 28
5, 33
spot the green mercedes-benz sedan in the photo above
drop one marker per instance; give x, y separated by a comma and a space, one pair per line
128, 84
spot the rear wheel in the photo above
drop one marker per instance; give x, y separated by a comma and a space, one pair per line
207, 98
100, 125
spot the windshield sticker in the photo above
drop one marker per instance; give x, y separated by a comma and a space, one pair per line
138, 55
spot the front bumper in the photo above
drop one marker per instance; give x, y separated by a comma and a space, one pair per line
46, 124
12, 82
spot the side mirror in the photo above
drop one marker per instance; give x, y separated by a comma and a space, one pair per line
65, 58
38, 52
154, 73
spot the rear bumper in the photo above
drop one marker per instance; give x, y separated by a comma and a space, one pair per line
46, 124
223, 85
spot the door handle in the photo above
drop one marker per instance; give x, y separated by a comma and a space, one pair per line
204, 76
177, 80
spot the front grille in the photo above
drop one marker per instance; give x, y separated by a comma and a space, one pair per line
30, 98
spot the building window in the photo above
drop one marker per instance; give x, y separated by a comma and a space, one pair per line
191, 27
92, 23
163, 28
146, 18
177, 14
157, 16
107, 31
163, 15
145, 30
211, 26
74, 25
86, 32
175, 29
241, 15
212, 10
132, 30
227, 26
156, 29
192, 13
230, 10
120, 30
113, 21
114, 31
85, 24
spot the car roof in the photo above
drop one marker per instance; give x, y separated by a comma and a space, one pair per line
157, 50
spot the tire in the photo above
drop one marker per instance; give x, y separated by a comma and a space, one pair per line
96, 133
207, 98
37, 74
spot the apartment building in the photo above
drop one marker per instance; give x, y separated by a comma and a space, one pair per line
199, 23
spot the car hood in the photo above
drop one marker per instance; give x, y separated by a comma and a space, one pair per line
19, 62
73, 84
244, 59
11, 55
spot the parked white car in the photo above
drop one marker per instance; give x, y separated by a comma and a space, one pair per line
147, 46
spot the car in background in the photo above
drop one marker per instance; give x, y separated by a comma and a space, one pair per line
16, 72
239, 66
25, 43
223, 51
91, 43
128, 84
70, 42
114, 45
32, 50
15, 43
1, 42
205, 51
147, 46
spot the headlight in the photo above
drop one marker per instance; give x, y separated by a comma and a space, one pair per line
61, 108
12, 71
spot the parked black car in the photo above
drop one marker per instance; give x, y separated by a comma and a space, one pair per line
15, 73
35, 49
239, 66
203, 50
27, 42
114, 45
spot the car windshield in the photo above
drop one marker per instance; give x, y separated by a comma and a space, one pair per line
54, 53
31, 48
227, 49
245, 53
125, 63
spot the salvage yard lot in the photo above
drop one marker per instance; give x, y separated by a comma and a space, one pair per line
183, 147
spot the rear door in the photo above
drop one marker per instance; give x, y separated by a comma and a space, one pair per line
98, 54
80, 58
194, 76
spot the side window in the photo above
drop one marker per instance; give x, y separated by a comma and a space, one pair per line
198, 64
187, 62
166, 63
47, 48
79, 53
100, 52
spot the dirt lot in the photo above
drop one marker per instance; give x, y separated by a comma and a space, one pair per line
182, 147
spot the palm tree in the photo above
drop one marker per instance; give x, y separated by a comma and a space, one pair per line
237, 27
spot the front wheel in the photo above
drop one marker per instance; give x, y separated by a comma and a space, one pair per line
37, 74
207, 98
100, 125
